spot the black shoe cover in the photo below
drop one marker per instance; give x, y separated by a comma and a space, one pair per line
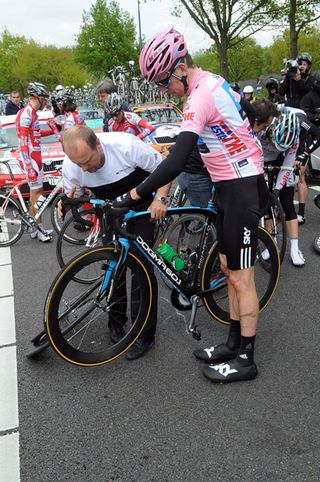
215, 354
232, 371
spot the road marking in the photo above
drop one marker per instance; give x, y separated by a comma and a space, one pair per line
9, 419
9, 458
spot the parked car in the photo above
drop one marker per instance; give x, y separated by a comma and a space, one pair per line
166, 118
52, 153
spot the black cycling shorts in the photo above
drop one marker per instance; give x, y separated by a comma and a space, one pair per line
241, 203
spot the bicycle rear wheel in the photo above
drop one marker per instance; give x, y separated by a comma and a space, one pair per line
56, 222
11, 224
77, 317
275, 224
266, 278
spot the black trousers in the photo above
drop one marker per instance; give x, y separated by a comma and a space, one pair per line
118, 314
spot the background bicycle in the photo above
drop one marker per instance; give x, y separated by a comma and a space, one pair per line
15, 218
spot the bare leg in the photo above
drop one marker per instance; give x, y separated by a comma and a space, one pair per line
243, 298
34, 195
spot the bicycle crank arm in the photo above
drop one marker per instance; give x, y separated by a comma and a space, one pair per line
192, 328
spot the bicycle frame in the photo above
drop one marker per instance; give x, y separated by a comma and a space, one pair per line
189, 289
16, 190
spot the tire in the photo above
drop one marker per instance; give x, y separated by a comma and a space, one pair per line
266, 278
276, 225
316, 244
11, 224
56, 222
72, 240
316, 200
76, 318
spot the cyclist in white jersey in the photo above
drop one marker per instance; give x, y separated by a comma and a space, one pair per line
110, 164
232, 156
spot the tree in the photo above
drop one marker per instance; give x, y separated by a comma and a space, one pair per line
22, 61
307, 42
10, 46
227, 22
298, 15
50, 65
106, 38
247, 60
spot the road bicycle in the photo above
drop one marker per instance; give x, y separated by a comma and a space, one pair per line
76, 314
275, 221
75, 237
15, 218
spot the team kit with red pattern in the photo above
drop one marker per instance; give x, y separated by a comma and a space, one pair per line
29, 135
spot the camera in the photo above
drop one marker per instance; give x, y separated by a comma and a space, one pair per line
291, 68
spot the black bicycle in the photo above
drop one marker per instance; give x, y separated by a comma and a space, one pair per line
76, 314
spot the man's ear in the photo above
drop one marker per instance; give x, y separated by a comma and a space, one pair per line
181, 68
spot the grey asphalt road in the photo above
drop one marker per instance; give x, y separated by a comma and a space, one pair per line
158, 419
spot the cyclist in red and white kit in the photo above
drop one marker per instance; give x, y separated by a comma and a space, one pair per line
29, 134
65, 100
122, 121
213, 117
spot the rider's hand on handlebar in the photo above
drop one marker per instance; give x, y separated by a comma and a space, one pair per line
158, 209
62, 209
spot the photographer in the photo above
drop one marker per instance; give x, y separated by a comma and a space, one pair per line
297, 81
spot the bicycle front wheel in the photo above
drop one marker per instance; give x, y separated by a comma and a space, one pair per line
11, 224
267, 273
78, 318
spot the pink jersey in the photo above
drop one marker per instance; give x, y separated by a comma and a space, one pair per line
131, 123
227, 145
72, 119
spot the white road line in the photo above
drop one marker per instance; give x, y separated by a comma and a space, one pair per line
9, 458
9, 421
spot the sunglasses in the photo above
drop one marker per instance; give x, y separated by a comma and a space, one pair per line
165, 82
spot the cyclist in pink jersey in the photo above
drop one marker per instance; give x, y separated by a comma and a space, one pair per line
29, 134
122, 121
214, 118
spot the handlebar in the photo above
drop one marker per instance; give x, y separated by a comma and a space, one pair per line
108, 209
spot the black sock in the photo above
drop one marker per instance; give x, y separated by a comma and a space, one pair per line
301, 209
246, 350
233, 340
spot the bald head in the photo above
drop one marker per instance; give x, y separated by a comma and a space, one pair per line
77, 133
83, 148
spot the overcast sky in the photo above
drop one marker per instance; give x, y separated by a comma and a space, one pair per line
58, 22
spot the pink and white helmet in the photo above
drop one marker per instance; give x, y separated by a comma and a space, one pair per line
161, 52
